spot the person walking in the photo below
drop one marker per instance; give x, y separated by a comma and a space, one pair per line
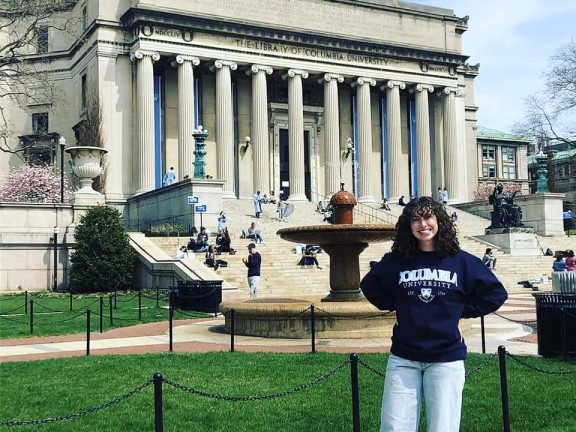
431, 284
445, 196
222, 222
169, 177
253, 262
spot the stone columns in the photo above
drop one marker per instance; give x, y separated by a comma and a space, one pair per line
451, 165
423, 160
260, 145
186, 124
225, 126
296, 134
396, 172
332, 135
145, 109
364, 138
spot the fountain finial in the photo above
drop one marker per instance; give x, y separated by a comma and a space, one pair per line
343, 203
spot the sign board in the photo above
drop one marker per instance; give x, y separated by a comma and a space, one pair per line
201, 208
192, 200
285, 183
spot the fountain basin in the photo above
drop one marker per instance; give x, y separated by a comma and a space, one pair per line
290, 318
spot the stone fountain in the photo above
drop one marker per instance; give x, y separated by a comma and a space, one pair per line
343, 313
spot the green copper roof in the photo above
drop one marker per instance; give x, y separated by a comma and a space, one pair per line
558, 156
491, 134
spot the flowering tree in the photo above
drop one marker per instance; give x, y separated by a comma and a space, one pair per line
33, 184
484, 190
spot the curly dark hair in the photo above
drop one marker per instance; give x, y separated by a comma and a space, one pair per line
446, 241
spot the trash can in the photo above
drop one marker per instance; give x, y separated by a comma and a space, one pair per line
199, 295
556, 323
564, 282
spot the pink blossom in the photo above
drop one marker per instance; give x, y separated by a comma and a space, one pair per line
33, 184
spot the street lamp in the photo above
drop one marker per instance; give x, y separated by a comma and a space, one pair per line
62, 142
200, 134
55, 245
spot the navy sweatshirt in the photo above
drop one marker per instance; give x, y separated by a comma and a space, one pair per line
430, 294
253, 264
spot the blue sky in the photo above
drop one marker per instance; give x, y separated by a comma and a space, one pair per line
513, 41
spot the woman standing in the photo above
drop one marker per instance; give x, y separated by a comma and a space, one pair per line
431, 284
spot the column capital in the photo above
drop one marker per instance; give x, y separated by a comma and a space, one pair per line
365, 80
255, 68
392, 83
293, 72
181, 58
140, 54
447, 90
219, 64
424, 87
331, 76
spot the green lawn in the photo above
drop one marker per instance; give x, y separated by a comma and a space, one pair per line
541, 398
60, 314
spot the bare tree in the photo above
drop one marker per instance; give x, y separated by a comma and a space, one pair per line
24, 77
549, 114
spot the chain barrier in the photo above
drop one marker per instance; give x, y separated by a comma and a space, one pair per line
524, 322
36, 304
127, 300
82, 413
179, 311
13, 320
12, 310
206, 294
481, 366
371, 368
296, 389
340, 317
537, 369
81, 314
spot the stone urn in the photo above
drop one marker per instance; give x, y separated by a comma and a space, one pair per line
86, 163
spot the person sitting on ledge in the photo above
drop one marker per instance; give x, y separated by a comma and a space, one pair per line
309, 257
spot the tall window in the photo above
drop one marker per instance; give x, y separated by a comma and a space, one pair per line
508, 162
84, 91
488, 161
42, 40
40, 123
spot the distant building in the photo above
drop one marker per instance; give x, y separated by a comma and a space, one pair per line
561, 170
298, 78
503, 157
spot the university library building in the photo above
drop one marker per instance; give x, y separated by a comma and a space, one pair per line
296, 96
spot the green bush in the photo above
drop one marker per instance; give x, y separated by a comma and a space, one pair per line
104, 259
166, 230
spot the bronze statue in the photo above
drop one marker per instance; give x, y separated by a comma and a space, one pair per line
506, 213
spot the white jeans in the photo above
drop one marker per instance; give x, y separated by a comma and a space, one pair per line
407, 381
253, 282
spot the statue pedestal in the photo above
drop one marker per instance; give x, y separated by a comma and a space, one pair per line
513, 240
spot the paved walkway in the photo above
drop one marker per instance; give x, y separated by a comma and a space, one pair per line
202, 335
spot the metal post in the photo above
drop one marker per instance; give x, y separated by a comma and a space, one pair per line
55, 276
87, 332
170, 319
157, 296
504, 388
70, 300
355, 392
110, 309
232, 329
25, 302
483, 333
31, 317
62, 142
313, 328
158, 414
140, 305
101, 315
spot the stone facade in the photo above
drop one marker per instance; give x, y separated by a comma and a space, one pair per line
298, 77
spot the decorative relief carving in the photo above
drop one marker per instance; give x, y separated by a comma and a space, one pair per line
424, 87
181, 58
330, 76
391, 84
219, 64
365, 80
293, 72
255, 68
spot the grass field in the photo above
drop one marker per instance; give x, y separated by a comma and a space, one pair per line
60, 314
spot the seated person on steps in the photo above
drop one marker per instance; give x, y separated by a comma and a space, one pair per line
309, 257
223, 242
201, 243
253, 233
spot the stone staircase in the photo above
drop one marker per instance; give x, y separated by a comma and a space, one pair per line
282, 276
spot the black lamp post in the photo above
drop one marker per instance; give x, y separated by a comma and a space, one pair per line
62, 142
